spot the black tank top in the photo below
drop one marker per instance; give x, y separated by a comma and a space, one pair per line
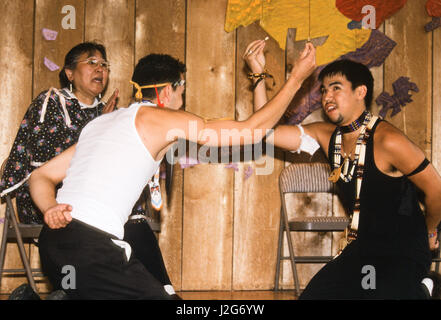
391, 222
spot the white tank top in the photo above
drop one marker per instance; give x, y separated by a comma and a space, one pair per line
110, 168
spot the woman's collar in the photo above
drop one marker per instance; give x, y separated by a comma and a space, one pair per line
70, 95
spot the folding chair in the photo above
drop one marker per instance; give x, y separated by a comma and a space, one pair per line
302, 178
19, 233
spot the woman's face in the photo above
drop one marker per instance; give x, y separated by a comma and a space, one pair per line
89, 77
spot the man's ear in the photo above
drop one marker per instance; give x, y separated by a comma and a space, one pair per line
165, 94
361, 92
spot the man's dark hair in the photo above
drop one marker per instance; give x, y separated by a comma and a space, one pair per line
356, 73
71, 58
156, 69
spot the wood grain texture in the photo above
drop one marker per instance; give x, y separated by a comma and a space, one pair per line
112, 23
207, 228
210, 60
160, 28
208, 193
412, 57
256, 199
48, 15
16, 94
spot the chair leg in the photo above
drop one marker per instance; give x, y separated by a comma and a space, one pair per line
291, 255
279, 253
21, 248
439, 256
3, 245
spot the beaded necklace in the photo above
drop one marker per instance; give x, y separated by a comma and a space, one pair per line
360, 153
342, 169
353, 126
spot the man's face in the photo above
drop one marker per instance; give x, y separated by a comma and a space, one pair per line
339, 101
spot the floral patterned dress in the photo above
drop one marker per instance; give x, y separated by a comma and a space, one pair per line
52, 124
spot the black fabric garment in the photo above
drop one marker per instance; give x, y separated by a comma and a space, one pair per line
392, 236
101, 269
344, 278
145, 247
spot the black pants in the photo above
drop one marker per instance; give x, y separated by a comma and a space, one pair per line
87, 264
353, 276
146, 249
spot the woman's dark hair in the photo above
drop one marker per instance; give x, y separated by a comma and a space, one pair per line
71, 58
156, 69
356, 73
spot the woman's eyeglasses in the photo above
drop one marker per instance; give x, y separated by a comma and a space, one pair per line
95, 63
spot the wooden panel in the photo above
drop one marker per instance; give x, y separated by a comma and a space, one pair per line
48, 15
160, 28
210, 60
112, 23
256, 199
15, 92
412, 57
208, 192
436, 113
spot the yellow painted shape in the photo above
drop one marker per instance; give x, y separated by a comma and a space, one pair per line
322, 19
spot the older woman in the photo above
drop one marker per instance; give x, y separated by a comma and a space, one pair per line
54, 120
53, 123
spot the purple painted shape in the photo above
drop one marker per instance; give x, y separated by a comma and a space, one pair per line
49, 34
187, 162
50, 64
399, 99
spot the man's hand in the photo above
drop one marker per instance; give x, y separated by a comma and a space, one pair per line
305, 64
254, 56
111, 103
58, 216
433, 242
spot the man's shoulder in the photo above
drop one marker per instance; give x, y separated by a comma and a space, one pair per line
388, 136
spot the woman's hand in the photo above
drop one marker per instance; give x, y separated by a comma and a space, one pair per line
111, 103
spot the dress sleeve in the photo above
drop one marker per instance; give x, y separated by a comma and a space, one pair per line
17, 167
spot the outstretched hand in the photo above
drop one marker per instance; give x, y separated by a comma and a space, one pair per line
305, 64
58, 216
254, 56
433, 243
112, 102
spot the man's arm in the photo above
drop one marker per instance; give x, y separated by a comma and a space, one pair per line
42, 185
403, 155
211, 133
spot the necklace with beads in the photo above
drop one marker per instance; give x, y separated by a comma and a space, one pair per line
343, 169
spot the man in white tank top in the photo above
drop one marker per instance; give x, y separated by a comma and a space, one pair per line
104, 173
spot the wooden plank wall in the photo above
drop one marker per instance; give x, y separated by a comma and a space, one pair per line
220, 230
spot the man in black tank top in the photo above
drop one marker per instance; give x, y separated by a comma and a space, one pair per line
392, 237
